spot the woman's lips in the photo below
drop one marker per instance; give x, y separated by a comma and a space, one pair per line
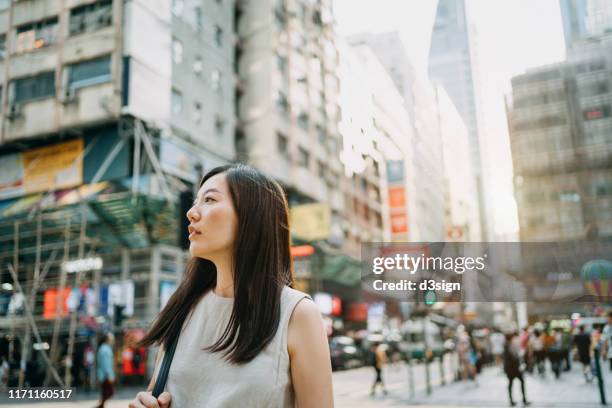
192, 232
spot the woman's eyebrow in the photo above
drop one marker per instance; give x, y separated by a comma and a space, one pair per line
211, 190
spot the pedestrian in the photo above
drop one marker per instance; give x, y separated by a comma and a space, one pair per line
583, 343
526, 352
607, 340
378, 358
475, 356
512, 368
566, 345
466, 356
4, 374
245, 336
497, 347
555, 352
537, 345
104, 368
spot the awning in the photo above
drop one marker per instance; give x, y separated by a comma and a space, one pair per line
115, 215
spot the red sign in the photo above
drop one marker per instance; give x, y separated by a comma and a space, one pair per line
358, 312
133, 361
399, 223
454, 233
336, 306
302, 250
50, 303
397, 197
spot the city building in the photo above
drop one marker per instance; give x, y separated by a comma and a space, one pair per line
288, 113
461, 207
110, 110
584, 18
423, 171
453, 62
560, 121
376, 132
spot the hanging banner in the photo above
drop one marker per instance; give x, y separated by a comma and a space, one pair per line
51, 298
121, 293
398, 207
42, 169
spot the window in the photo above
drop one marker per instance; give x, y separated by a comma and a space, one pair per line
2, 46
36, 35
603, 189
322, 169
594, 88
199, 18
321, 134
281, 63
215, 80
281, 144
176, 102
303, 120
197, 113
543, 122
280, 18
36, 87
218, 36
90, 72
281, 101
219, 125
303, 157
177, 51
91, 17
177, 7
198, 66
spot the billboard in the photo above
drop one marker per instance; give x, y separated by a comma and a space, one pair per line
310, 222
42, 169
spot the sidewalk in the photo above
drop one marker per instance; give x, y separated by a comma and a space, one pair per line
352, 387
570, 391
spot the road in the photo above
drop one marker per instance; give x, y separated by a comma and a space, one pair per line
352, 389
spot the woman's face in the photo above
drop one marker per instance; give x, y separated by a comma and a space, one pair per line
213, 221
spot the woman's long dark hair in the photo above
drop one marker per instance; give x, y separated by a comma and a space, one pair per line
262, 267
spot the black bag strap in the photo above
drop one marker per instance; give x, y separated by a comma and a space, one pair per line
162, 376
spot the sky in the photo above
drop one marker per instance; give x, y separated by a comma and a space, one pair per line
513, 35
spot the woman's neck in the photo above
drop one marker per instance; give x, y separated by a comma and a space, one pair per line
225, 279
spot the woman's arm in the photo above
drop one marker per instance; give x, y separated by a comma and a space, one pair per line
309, 353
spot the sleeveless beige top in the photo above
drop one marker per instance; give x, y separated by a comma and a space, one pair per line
199, 378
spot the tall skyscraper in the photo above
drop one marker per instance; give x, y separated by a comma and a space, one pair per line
453, 64
585, 18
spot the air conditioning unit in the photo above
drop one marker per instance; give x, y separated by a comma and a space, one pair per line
69, 96
14, 111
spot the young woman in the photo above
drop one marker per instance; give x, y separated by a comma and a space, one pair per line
246, 337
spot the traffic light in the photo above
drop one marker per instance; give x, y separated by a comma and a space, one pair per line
430, 298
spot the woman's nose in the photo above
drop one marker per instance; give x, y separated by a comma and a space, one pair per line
192, 214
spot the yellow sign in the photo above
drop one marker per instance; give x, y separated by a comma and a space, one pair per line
53, 167
310, 222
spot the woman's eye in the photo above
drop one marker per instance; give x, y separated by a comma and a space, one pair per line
208, 199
